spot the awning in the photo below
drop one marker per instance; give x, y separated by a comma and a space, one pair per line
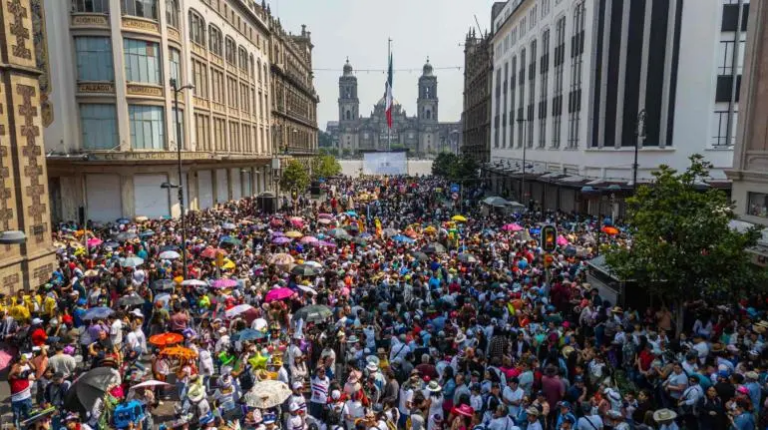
572, 179
550, 175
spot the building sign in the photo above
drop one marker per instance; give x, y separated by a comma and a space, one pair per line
96, 20
140, 24
144, 90
94, 87
173, 34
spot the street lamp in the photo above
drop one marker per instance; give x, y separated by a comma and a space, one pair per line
640, 136
12, 237
176, 90
521, 123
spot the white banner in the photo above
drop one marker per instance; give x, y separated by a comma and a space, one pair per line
385, 163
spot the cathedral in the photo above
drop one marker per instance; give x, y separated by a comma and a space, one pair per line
420, 135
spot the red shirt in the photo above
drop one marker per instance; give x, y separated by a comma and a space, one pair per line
646, 358
39, 337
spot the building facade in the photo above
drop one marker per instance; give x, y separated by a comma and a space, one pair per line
476, 115
110, 132
294, 100
578, 84
422, 134
750, 162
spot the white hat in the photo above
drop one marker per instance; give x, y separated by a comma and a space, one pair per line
137, 313
296, 385
37, 321
372, 367
293, 407
335, 394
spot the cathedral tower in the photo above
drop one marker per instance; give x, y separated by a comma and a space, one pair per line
349, 104
427, 101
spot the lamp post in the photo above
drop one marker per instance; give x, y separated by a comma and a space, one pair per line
521, 122
176, 90
640, 136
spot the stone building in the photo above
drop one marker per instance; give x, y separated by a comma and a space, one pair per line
23, 178
294, 100
476, 115
111, 136
422, 134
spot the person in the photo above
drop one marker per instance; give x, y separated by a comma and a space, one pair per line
665, 418
533, 418
711, 411
741, 417
513, 396
319, 384
590, 419
21, 389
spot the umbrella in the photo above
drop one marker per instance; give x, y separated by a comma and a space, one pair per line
325, 244
169, 255
239, 310
420, 256
150, 383
561, 240
339, 233
433, 248
98, 313
403, 239
194, 283
224, 283
267, 394
293, 234
111, 243
179, 352
282, 259
459, 218
90, 387
163, 298
324, 215
125, 237
146, 233
228, 226
308, 239
513, 227
570, 251
278, 294
166, 339
314, 264
297, 222
276, 222
313, 313
91, 273
304, 270
611, 231
229, 240
94, 242
281, 240
324, 221
248, 334
131, 300
169, 248
467, 258
123, 221
351, 213
307, 289
390, 231
162, 284
131, 262
227, 264
211, 252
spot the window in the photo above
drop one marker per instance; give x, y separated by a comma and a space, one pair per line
142, 62
521, 100
234, 137
174, 57
178, 121
94, 59
90, 6
523, 27
147, 127
574, 96
217, 85
720, 129
215, 40
231, 49
219, 125
725, 57
172, 13
532, 16
543, 96
196, 28
258, 66
200, 78
545, 8
140, 8
98, 125
242, 59
202, 128
232, 92
531, 93
757, 204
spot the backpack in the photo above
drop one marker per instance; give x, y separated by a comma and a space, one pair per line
246, 379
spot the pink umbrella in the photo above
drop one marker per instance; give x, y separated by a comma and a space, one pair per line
224, 283
6, 355
297, 222
281, 240
150, 383
308, 239
325, 215
278, 294
562, 241
324, 244
276, 222
94, 241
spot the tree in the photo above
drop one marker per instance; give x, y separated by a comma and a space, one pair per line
682, 245
325, 166
324, 139
455, 169
295, 176
443, 164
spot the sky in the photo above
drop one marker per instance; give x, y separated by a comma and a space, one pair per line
359, 29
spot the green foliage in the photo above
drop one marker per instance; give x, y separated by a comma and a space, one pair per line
682, 246
325, 166
324, 139
295, 176
328, 151
453, 167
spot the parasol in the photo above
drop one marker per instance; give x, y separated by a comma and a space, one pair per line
297, 222
224, 283
131, 262
91, 273
304, 270
125, 237
390, 232
611, 231
324, 244
276, 222
162, 284
229, 240
228, 226
123, 221
193, 283
246, 311
293, 234
308, 239
248, 334
166, 339
98, 313
459, 218
150, 383
433, 248
313, 313
211, 252
130, 300
324, 215
420, 256
281, 240
467, 258
94, 242
169, 255
282, 259
513, 227
267, 394
146, 233
339, 233
278, 294
561, 240
324, 221
90, 387
179, 352
402, 239
314, 264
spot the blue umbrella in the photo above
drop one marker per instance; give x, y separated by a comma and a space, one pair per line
535, 231
403, 239
351, 213
146, 233
229, 240
131, 262
248, 334
123, 221
98, 313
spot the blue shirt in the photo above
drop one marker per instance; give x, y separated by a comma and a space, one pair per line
744, 422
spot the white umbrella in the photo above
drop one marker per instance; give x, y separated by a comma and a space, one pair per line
150, 383
194, 283
169, 255
307, 289
314, 264
267, 394
237, 310
259, 324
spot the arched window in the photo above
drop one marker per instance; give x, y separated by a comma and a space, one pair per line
429, 114
90, 6
231, 51
172, 13
215, 41
258, 66
140, 8
349, 115
242, 58
196, 28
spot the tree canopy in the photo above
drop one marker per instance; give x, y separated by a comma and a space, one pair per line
453, 167
295, 176
325, 166
682, 247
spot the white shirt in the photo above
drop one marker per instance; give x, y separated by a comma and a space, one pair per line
406, 396
320, 390
116, 332
137, 341
584, 423
206, 362
511, 395
355, 410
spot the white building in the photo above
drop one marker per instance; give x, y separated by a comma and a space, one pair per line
574, 81
111, 136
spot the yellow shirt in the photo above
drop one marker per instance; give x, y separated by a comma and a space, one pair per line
20, 313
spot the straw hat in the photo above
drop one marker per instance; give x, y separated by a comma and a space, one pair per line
533, 411
434, 387
567, 350
664, 415
617, 310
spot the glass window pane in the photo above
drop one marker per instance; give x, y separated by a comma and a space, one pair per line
98, 126
142, 62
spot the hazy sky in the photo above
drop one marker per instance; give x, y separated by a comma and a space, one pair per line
360, 28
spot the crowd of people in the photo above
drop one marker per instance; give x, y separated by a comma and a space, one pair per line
386, 305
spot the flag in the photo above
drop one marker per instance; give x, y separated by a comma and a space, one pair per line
388, 95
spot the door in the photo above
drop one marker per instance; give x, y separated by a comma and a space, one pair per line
204, 189
222, 189
247, 184
149, 199
103, 197
237, 193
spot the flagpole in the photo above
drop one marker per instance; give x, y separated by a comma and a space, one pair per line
389, 129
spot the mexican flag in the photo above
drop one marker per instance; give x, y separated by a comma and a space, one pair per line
388, 95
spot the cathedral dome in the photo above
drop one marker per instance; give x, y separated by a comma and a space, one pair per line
347, 68
427, 68
383, 102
